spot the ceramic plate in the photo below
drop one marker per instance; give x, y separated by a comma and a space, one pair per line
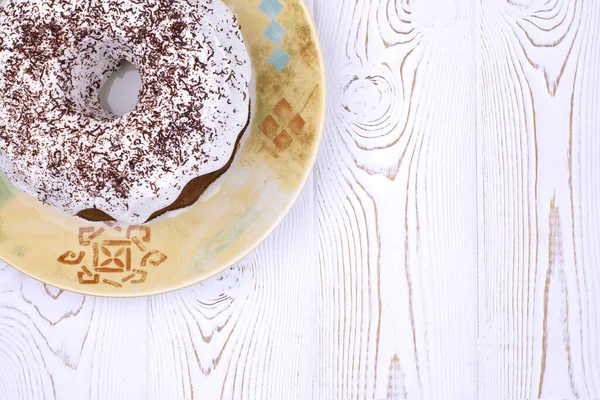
236, 213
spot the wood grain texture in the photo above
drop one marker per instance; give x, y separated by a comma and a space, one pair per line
398, 240
538, 185
446, 246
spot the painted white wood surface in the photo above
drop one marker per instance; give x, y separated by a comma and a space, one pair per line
538, 190
447, 245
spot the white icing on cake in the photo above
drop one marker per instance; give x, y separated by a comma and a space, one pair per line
59, 145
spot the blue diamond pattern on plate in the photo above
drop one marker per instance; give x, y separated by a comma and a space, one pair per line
271, 8
275, 33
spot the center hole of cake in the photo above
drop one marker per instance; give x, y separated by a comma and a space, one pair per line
119, 95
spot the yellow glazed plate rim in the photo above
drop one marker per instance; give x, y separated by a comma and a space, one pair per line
227, 259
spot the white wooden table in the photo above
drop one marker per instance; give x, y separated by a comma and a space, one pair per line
446, 246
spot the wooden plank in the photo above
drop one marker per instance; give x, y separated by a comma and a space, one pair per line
396, 201
249, 333
538, 188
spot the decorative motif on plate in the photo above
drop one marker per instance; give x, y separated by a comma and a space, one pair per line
113, 255
275, 33
282, 124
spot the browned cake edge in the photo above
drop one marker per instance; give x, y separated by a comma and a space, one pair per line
190, 193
